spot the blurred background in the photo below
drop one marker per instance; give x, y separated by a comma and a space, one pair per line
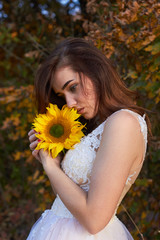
128, 32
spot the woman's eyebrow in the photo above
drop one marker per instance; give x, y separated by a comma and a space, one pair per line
65, 85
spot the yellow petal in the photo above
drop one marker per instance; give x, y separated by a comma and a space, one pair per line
67, 118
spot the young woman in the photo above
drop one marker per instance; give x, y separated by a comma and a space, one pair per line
92, 179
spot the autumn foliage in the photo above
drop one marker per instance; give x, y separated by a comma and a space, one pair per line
128, 32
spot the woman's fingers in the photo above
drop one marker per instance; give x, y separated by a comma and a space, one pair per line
35, 154
33, 145
31, 132
33, 138
34, 141
32, 135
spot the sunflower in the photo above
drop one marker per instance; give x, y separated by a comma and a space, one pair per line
58, 129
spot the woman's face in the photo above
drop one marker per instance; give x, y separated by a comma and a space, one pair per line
67, 84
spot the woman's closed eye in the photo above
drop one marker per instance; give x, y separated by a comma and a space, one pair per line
73, 87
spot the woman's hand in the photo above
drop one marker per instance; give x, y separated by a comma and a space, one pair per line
43, 156
33, 144
48, 162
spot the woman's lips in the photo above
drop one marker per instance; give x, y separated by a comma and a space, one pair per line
80, 111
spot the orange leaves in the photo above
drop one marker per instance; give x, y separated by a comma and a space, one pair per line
138, 66
157, 100
17, 111
154, 49
11, 121
140, 39
14, 34
37, 179
18, 155
22, 97
132, 74
32, 54
129, 33
50, 27
130, 14
119, 34
45, 192
12, 94
148, 40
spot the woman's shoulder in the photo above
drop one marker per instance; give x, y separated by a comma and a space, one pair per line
121, 116
125, 120
122, 120
124, 116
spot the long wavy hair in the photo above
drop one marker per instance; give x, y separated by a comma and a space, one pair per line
85, 59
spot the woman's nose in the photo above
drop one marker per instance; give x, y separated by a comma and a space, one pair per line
71, 102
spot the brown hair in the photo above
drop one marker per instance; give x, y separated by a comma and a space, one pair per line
84, 58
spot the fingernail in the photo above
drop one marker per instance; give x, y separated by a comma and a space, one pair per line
39, 140
39, 133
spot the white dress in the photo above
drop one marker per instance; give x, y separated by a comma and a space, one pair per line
58, 223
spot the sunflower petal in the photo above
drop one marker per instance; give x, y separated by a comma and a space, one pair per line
67, 118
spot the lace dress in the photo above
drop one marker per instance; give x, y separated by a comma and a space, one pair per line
58, 223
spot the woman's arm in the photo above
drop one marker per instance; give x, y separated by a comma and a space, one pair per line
120, 147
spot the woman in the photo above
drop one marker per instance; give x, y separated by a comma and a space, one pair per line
92, 179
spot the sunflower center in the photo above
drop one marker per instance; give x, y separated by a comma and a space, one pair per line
57, 130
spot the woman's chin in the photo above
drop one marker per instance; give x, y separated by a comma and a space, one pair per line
88, 116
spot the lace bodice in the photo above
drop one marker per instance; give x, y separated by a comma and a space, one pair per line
78, 162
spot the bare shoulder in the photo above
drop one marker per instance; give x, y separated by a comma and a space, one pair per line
123, 128
122, 135
122, 120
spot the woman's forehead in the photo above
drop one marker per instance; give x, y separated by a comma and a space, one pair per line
62, 76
